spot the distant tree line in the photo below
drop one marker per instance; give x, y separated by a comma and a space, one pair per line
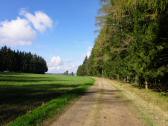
17, 61
132, 45
67, 73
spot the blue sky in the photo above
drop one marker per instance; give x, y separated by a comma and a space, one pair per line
63, 39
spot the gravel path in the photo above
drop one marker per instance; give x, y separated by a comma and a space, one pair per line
102, 105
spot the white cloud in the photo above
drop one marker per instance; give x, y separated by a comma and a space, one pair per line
22, 30
56, 60
56, 65
16, 32
40, 20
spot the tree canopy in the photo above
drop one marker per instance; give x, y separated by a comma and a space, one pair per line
17, 61
132, 44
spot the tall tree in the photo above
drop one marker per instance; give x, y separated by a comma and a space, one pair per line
16, 61
132, 44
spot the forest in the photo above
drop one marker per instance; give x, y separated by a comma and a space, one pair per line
17, 61
132, 44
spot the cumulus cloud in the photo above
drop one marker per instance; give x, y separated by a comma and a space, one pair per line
23, 30
56, 65
16, 32
56, 60
40, 20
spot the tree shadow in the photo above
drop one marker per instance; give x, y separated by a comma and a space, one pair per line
17, 100
20, 78
112, 97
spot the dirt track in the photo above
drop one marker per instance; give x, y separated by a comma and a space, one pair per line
102, 105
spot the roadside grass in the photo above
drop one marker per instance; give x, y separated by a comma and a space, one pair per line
29, 99
156, 98
152, 106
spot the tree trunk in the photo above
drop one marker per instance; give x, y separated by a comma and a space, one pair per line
127, 79
136, 79
118, 77
146, 85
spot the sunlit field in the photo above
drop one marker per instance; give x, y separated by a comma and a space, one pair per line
36, 95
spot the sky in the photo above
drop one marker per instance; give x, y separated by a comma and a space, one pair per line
61, 31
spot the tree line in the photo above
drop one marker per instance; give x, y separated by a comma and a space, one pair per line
17, 61
132, 45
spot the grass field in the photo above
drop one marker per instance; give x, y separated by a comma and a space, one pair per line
28, 99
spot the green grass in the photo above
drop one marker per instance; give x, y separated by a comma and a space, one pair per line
29, 99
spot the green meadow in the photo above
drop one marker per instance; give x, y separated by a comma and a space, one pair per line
29, 99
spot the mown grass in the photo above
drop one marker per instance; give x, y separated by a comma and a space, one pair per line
28, 99
152, 106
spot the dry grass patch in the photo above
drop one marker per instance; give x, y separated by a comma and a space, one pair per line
152, 106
